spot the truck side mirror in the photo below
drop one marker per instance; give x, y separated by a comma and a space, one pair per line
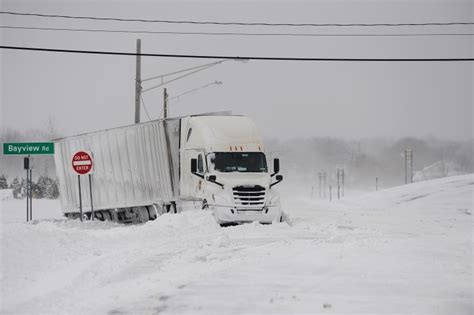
276, 166
278, 178
212, 178
194, 166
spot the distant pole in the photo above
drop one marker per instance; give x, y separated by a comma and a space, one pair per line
342, 170
320, 182
138, 82
324, 185
376, 183
338, 184
408, 166
330, 193
165, 103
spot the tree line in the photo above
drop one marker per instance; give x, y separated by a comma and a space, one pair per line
45, 187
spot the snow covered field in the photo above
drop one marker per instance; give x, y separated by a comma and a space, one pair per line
405, 250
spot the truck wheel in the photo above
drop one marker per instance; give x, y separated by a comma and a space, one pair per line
143, 215
152, 212
98, 215
173, 206
285, 218
106, 215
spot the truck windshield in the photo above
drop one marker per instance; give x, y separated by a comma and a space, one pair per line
237, 162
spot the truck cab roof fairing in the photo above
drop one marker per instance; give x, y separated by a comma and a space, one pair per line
220, 131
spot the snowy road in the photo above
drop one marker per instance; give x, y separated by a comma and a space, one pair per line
404, 250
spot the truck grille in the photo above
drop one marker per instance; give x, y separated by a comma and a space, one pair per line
249, 197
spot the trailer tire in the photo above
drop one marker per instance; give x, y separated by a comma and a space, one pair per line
107, 216
72, 216
143, 215
173, 207
170, 208
152, 212
99, 216
285, 218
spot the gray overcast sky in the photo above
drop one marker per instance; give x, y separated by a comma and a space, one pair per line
287, 99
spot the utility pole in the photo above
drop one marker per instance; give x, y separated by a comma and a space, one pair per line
138, 81
320, 175
324, 180
322, 184
165, 103
342, 170
340, 182
408, 166
376, 183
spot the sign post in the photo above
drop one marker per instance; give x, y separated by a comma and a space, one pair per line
28, 148
31, 195
80, 196
90, 192
82, 164
26, 166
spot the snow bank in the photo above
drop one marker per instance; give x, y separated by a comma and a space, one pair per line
401, 250
6, 194
437, 170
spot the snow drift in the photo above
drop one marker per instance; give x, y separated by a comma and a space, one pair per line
401, 250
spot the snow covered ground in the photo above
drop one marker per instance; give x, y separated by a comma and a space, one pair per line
405, 250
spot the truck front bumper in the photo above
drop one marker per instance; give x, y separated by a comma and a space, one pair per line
226, 214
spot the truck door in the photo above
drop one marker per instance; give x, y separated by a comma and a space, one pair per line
201, 170
192, 186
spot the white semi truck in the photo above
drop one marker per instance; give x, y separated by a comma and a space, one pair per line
213, 161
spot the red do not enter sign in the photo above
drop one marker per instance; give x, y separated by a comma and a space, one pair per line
82, 162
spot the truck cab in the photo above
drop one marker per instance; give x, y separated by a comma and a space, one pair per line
223, 167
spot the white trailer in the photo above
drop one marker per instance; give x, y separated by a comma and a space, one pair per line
214, 161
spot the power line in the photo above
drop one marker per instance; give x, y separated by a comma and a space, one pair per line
96, 18
117, 53
90, 30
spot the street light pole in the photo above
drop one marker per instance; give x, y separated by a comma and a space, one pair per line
165, 103
138, 82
